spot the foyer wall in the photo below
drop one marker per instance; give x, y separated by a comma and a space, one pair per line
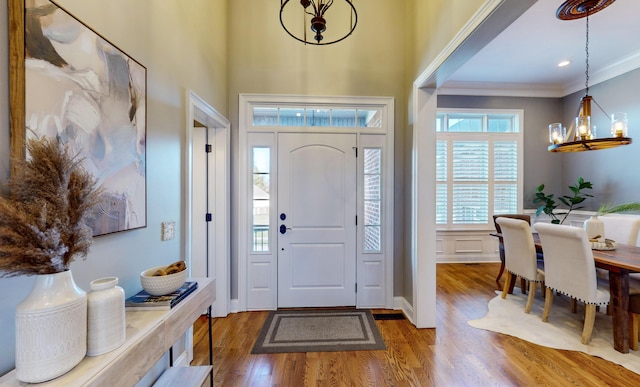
183, 46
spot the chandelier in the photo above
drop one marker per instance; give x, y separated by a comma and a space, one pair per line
581, 135
311, 22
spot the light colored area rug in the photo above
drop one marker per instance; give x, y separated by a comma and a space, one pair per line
563, 330
318, 331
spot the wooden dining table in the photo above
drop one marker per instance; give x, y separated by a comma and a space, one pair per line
621, 261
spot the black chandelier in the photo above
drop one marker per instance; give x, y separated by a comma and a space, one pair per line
313, 15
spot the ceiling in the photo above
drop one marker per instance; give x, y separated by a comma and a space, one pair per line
523, 59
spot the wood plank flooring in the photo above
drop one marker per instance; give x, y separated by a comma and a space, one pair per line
453, 354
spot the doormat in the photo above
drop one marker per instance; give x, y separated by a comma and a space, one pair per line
318, 331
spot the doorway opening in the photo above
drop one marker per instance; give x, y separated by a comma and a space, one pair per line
207, 193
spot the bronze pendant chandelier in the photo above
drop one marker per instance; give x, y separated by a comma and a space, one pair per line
312, 18
580, 136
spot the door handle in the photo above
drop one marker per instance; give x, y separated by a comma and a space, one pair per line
284, 229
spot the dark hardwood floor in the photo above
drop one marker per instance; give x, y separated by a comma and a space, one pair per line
453, 354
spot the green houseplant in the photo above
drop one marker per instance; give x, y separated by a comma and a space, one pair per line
549, 206
631, 207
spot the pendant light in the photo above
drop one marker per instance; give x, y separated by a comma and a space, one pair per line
314, 20
581, 135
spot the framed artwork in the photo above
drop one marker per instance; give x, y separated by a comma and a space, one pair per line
70, 83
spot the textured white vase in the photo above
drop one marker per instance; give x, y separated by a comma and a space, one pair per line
51, 328
106, 324
594, 228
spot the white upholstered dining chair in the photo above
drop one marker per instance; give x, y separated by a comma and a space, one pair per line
621, 228
626, 229
570, 269
520, 256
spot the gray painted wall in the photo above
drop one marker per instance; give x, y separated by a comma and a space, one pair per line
615, 172
540, 166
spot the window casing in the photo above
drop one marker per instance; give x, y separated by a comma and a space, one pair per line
478, 167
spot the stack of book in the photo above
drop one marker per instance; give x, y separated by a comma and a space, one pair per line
145, 301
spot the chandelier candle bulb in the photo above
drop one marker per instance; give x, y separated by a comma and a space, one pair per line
556, 133
619, 124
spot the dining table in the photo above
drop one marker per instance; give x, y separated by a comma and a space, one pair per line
619, 262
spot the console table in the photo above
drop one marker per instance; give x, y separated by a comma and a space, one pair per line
149, 336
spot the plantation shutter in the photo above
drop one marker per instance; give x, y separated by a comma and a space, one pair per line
470, 196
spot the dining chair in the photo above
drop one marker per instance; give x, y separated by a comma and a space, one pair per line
570, 269
524, 217
621, 228
520, 256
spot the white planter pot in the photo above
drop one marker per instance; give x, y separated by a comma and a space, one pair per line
51, 328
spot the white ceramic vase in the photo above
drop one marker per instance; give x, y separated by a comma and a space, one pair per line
594, 228
106, 325
51, 328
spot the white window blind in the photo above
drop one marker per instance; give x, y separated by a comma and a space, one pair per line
478, 168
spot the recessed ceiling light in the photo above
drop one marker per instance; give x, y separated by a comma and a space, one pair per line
564, 63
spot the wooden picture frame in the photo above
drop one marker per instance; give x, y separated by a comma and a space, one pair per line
68, 82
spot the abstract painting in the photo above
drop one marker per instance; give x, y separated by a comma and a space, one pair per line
89, 95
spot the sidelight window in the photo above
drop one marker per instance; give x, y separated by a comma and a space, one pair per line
261, 191
372, 200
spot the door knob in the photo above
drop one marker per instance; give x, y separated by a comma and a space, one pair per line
284, 229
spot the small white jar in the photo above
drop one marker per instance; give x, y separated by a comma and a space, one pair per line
106, 325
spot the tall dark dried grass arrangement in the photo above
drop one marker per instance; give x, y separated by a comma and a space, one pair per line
44, 210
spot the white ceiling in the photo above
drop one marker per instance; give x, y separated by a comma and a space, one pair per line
523, 59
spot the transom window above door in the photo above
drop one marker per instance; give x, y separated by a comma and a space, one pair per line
309, 116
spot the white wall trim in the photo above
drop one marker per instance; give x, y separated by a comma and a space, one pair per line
423, 198
199, 110
476, 20
401, 303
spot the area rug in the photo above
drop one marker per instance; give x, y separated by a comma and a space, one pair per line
562, 331
318, 331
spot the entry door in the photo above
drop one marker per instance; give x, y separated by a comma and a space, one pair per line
316, 220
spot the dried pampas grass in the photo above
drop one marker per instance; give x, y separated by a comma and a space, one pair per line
44, 211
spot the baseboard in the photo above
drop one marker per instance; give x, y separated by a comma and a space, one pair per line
400, 303
234, 306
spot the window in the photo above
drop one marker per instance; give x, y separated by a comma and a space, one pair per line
478, 167
343, 117
372, 200
261, 198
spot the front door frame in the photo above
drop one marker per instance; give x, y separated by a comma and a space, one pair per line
381, 136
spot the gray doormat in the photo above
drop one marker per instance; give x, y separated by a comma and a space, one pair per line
318, 331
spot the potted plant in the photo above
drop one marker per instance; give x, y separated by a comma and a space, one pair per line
549, 205
44, 210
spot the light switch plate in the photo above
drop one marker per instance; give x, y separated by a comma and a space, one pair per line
168, 230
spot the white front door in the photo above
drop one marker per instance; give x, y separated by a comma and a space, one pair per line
316, 220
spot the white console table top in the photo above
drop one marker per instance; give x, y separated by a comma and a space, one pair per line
149, 335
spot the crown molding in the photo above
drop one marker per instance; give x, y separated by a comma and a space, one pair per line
502, 89
629, 63
506, 89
